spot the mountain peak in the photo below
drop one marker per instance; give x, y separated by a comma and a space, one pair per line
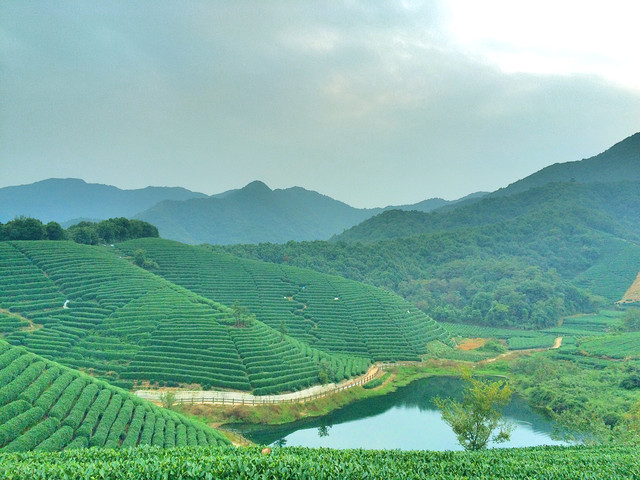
256, 186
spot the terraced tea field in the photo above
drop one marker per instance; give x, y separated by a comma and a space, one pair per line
548, 463
45, 406
327, 312
100, 313
614, 271
572, 329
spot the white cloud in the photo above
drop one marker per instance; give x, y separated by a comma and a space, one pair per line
552, 37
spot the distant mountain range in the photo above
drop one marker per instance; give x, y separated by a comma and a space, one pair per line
67, 199
252, 214
256, 213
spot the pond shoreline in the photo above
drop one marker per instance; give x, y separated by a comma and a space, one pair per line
405, 419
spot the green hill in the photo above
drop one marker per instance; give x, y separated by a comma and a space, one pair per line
256, 213
619, 163
326, 312
61, 200
608, 207
89, 308
45, 406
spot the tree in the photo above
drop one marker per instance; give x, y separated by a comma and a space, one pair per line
239, 315
54, 231
631, 320
168, 400
139, 257
141, 260
589, 426
24, 228
84, 234
475, 419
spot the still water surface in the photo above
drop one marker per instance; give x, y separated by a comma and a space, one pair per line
406, 419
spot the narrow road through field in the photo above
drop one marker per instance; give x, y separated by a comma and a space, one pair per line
556, 344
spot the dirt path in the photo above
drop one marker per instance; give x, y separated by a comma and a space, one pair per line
240, 398
32, 326
556, 344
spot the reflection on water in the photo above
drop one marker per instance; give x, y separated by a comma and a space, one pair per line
406, 419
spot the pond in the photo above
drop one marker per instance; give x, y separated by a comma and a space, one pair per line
405, 419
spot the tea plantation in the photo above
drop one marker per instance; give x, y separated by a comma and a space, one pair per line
549, 463
327, 312
89, 308
45, 406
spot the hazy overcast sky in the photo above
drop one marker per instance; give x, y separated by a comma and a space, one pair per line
372, 103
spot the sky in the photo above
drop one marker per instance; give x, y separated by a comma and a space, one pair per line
371, 103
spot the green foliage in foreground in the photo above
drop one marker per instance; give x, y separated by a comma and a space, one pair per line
303, 463
376, 382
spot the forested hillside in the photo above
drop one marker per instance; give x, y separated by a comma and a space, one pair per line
254, 213
619, 163
607, 207
525, 260
47, 407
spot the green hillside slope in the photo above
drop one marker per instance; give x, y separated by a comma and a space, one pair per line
524, 261
619, 163
327, 312
89, 308
609, 207
45, 406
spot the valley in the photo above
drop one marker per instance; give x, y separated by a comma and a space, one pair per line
535, 285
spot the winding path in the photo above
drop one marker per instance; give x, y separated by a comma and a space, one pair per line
241, 398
